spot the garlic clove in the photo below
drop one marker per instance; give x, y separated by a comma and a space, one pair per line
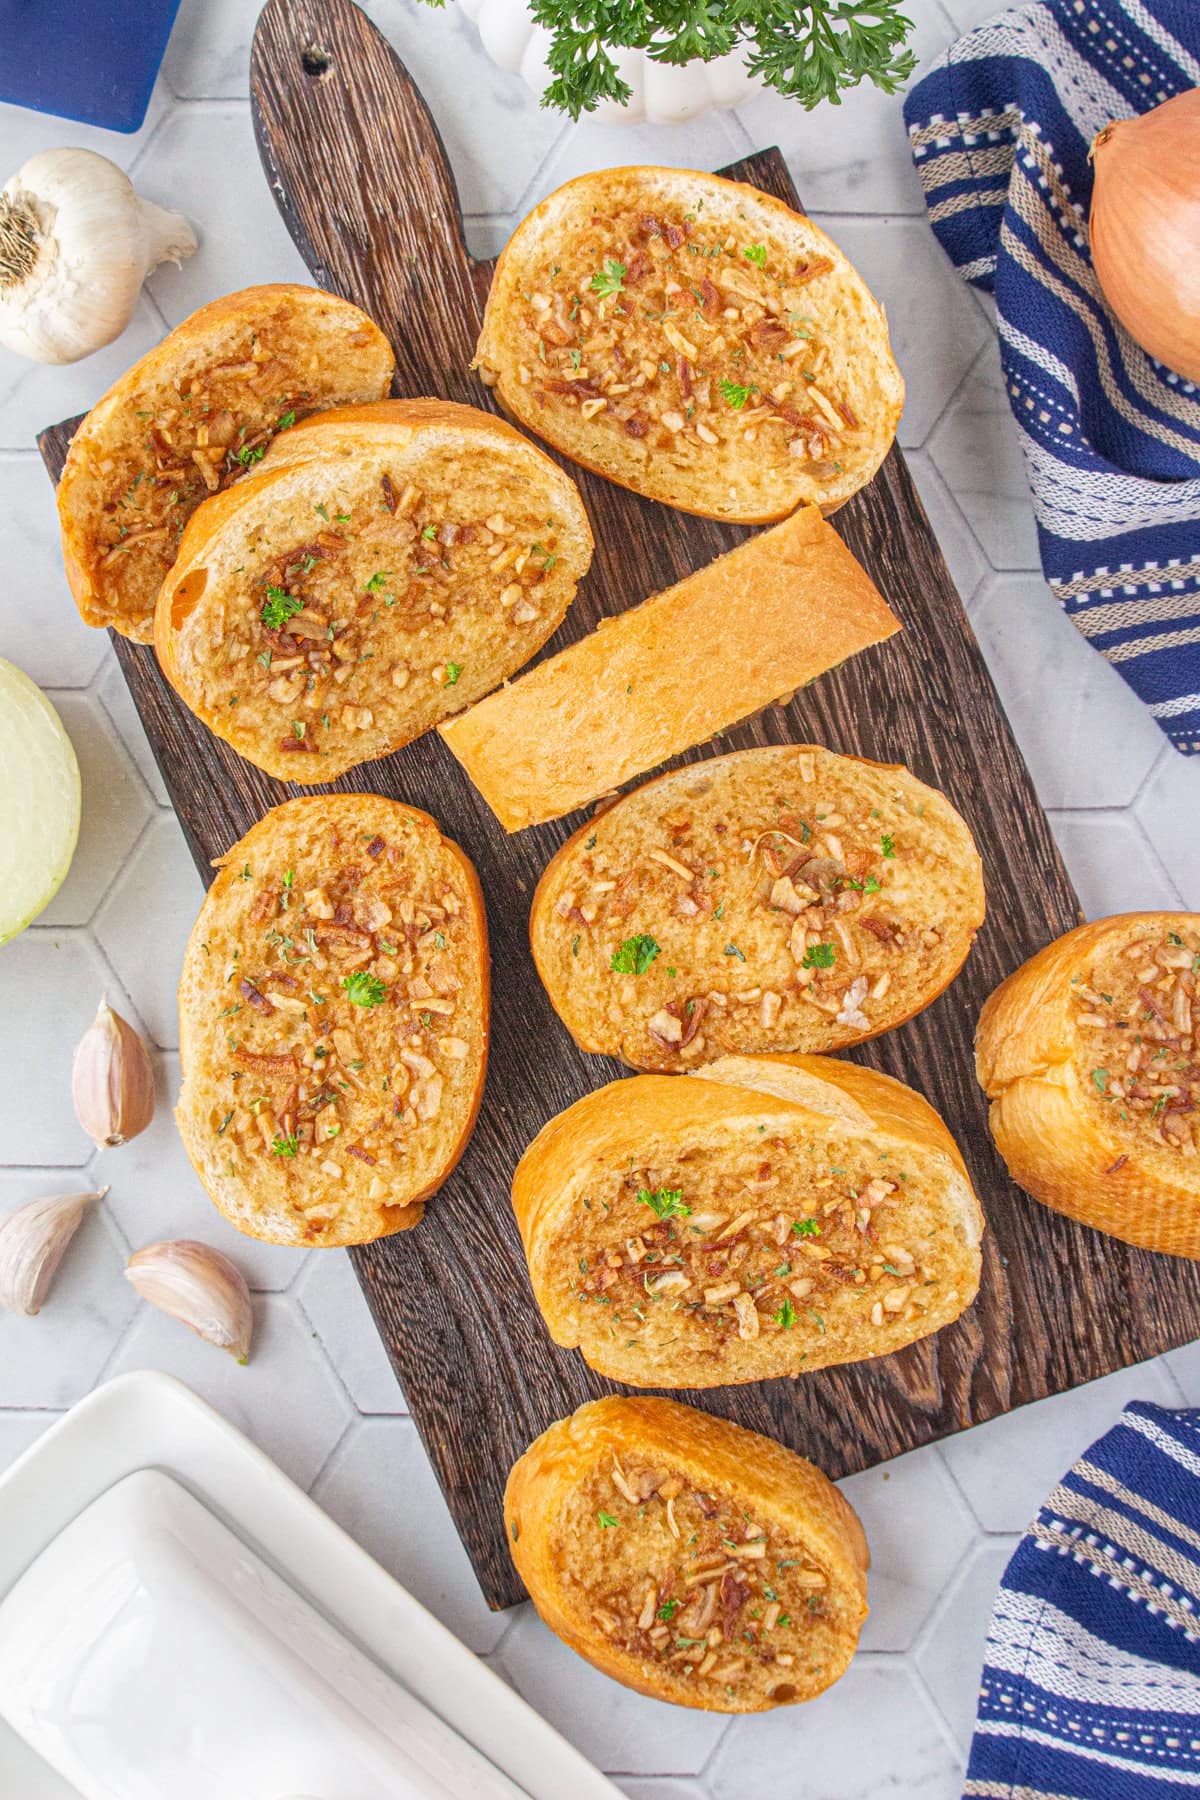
112, 1081
76, 244
33, 1240
201, 1288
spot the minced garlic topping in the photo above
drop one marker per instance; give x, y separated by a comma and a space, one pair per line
1138, 1015
682, 336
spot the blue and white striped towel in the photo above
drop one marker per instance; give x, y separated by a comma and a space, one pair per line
1000, 129
1091, 1679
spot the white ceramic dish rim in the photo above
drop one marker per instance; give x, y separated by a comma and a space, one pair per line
148, 1420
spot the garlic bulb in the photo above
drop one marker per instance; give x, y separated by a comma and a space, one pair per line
112, 1081
32, 1242
76, 244
201, 1288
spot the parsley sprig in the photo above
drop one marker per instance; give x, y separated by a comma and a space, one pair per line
809, 50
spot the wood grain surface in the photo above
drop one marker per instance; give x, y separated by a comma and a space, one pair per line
358, 170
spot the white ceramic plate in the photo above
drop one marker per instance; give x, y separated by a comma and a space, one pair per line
150, 1421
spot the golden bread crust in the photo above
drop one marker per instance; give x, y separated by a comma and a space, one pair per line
189, 417
385, 566
1090, 1055
695, 340
789, 899
691, 661
596, 1556
763, 1217
333, 1020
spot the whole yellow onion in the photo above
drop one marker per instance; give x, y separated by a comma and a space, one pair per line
1145, 228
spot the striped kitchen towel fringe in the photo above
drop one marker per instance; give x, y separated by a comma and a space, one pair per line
1091, 1679
1000, 128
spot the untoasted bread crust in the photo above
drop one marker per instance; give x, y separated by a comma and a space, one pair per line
122, 475
577, 1567
309, 1117
688, 662
683, 365
790, 1176
1077, 1128
708, 863
462, 542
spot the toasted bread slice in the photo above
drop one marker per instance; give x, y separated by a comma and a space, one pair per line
386, 565
641, 1526
763, 1217
655, 680
333, 1021
188, 420
777, 899
1090, 1055
694, 340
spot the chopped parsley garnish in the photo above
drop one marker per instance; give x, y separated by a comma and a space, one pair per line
286, 1146
248, 457
887, 844
734, 395
806, 1227
1100, 1077
284, 420
606, 1520
664, 1203
453, 671
429, 533
756, 253
667, 1610
610, 280
378, 580
786, 1316
363, 989
280, 607
819, 956
635, 955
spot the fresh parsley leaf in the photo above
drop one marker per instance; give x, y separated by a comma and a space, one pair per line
378, 580
280, 607
363, 989
429, 533
887, 844
610, 280
285, 1146
734, 395
453, 671
786, 1316
606, 1520
756, 253
664, 1203
1100, 1077
819, 956
285, 420
667, 1610
635, 955
806, 1227
248, 457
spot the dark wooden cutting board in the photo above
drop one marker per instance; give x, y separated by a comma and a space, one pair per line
359, 172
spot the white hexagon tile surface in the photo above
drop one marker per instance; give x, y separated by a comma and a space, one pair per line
319, 1395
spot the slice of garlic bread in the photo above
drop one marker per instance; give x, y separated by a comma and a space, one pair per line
386, 565
333, 1021
763, 1217
695, 340
777, 899
687, 1557
1090, 1056
682, 667
187, 421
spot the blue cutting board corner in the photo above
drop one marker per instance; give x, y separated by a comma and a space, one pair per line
91, 60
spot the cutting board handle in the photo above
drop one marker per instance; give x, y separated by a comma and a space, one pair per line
360, 174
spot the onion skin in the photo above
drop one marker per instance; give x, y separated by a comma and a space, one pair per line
1145, 228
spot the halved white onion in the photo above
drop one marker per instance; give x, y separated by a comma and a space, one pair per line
39, 801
